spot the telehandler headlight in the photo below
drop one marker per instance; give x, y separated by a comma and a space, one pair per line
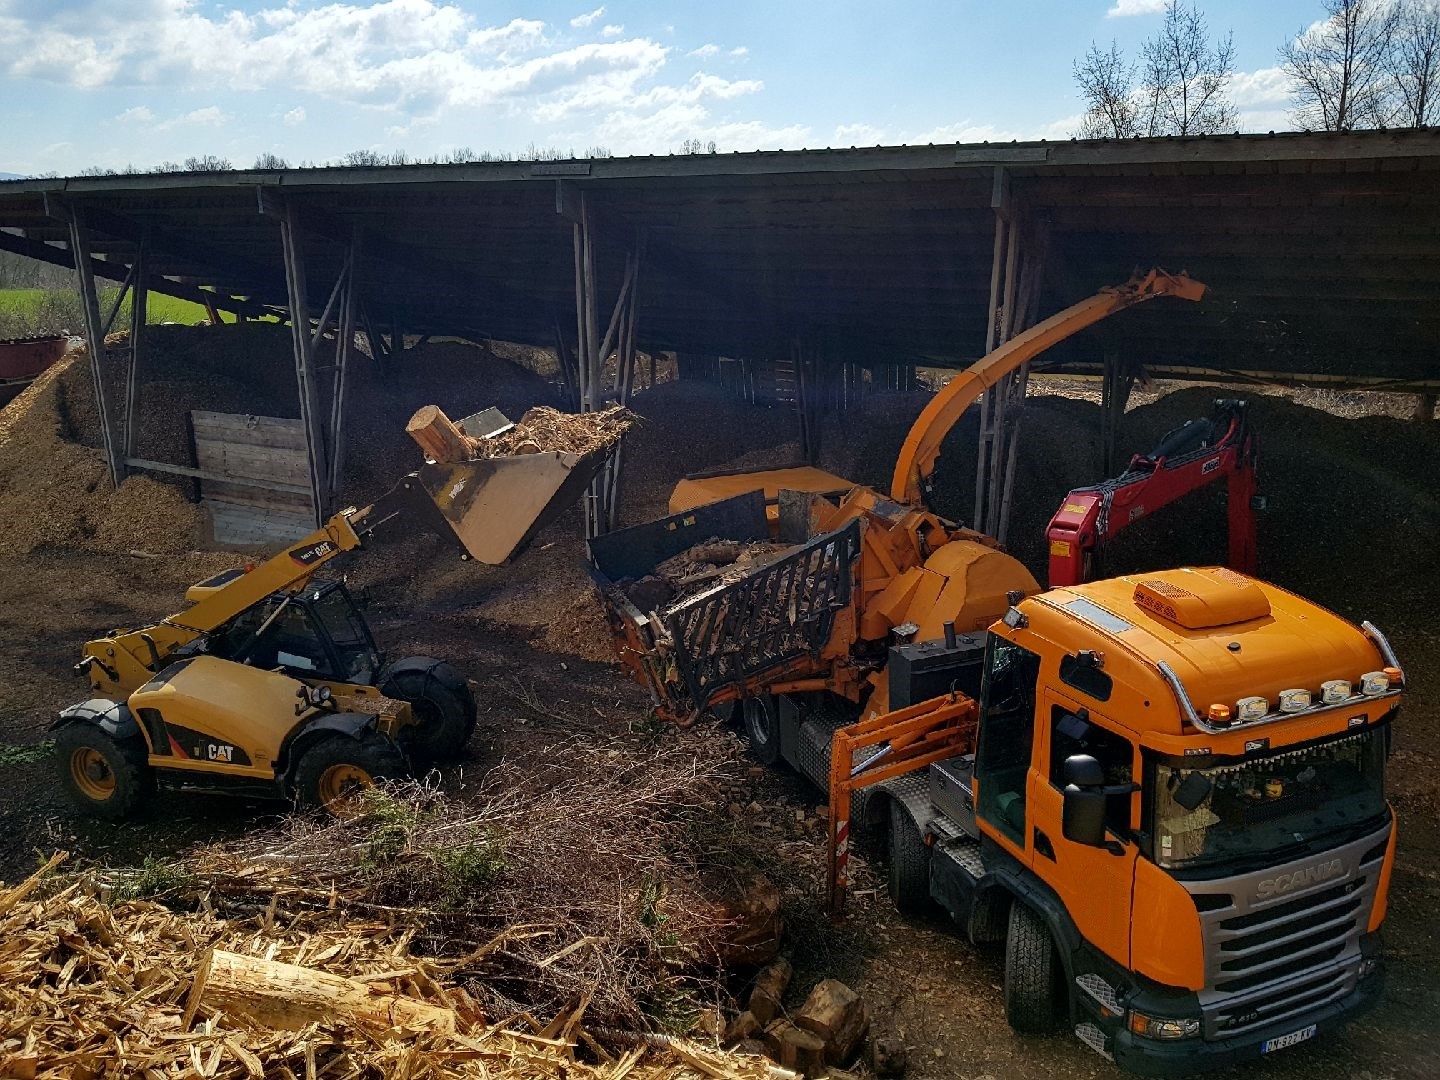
1160, 1027
1373, 683
1294, 700
1335, 691
1251, 708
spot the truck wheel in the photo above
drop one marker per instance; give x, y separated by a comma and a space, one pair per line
1031, 1005
909, 877
331, 771
101, 775
761, 719
441, 702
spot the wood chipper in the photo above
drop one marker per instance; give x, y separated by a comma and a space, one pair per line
270, 681
1163, 793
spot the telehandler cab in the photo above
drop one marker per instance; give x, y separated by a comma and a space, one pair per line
270, 681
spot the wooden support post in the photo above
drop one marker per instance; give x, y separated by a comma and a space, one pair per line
1425, 407
95, 337
1000, 204
307, 379
993, 439
139, 304
344, 346
378, 352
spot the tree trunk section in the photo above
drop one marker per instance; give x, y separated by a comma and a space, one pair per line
769, 988
289, 997
437, 435
836, 1014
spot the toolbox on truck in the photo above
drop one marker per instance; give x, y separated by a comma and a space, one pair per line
691, 652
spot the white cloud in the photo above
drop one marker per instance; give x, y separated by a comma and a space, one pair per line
295, 117
579, 22
705, 51
612, 31
1263, 98
1126, 8
137, 114
739, 50
209, 116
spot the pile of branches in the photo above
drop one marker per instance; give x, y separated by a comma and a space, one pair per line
543, 429
95, 984
562, 877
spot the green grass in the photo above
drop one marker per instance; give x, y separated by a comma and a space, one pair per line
29, 311
10, 754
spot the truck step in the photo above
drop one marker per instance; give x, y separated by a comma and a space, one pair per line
1094, 1038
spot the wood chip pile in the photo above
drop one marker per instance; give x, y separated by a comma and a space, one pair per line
94, 986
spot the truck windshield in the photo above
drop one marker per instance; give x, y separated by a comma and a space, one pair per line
1261, 804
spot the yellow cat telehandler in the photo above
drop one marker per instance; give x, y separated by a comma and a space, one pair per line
270, 682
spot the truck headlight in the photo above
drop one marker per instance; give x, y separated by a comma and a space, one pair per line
1374, 682
1251, 708
1161, 1027
1294, 700
1335, 691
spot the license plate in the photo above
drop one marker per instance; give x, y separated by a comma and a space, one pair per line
1282, 1041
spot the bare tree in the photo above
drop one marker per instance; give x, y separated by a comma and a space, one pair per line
1107, 82
207, 163
1338, 66
1183, 76
695, 146
1414, 62
268, 160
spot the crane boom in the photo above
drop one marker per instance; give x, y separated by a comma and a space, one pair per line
916, 464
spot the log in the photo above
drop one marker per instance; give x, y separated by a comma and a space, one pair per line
289, 997
752, 926
795, 1048
888, 1057
769, 989
437, 435
836, 1014
741, 1028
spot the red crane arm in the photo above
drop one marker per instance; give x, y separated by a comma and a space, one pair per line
1089, 516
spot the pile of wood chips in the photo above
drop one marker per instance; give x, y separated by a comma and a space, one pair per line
94, 986
543, 429
700, 568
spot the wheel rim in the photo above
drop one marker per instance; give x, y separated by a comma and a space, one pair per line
92, 774
757, 722
339, 784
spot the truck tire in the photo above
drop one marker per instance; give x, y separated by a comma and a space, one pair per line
331, 770
909, 871
441, 702
760, 718
1031, 1003
103, 775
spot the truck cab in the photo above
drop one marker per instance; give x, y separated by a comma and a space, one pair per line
1182, 775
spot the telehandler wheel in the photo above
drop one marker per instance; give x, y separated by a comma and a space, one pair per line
103, 775
760, 717
441, 700
1032, 1005
909, 874
330, 772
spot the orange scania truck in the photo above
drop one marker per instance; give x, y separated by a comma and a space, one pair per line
1163, 793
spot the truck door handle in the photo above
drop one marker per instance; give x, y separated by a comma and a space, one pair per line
1043, 846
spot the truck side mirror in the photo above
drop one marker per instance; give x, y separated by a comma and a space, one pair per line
1083, 771
1082, 816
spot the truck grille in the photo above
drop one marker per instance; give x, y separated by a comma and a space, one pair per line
1267, 960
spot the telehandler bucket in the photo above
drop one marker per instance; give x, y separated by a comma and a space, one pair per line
496, 505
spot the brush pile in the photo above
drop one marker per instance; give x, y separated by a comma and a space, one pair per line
93, 984
554, 923
544, 429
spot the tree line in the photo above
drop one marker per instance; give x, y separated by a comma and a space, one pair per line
1361, 64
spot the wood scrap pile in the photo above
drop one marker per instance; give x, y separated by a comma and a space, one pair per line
827, 1031
712, 564
541, 430
92, 986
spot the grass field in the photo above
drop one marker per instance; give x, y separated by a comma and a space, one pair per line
37, 311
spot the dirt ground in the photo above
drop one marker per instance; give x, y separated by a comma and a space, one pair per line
1353, 518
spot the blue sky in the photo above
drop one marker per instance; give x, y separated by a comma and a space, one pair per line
116, 82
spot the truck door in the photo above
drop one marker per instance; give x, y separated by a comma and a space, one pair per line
1094, 882
1007, 737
